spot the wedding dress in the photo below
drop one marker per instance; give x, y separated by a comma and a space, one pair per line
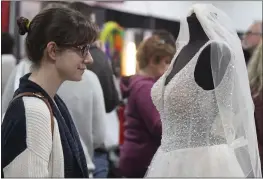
206, 133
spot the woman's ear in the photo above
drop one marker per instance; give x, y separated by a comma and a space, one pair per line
157, 60
51, 49
154, 60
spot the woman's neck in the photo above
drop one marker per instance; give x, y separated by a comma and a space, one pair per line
196, 31
48, 79
146, 72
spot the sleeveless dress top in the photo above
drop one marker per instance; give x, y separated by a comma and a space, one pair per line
191, 146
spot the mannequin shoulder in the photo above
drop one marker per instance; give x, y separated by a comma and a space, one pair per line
217, 48
220, 47
216, 55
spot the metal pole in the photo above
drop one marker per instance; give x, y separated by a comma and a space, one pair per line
13, 29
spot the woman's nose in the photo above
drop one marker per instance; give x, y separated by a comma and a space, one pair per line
88, 59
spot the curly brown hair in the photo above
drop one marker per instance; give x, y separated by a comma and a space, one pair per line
166, 36
153, 48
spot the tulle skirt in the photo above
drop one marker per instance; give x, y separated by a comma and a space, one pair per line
209, 161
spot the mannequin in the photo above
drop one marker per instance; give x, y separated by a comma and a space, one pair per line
206, 109
198, 38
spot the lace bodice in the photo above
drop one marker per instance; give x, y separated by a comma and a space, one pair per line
187, 111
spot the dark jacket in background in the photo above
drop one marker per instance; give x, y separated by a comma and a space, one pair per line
101, 67
247, 55
143, 130
258, 102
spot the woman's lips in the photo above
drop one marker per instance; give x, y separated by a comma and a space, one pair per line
82, 68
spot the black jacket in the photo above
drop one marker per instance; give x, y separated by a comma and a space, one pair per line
101, 67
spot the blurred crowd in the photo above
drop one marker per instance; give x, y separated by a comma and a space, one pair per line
89, 97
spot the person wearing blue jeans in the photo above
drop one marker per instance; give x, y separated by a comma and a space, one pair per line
101, 163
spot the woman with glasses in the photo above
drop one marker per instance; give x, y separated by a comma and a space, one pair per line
39, 138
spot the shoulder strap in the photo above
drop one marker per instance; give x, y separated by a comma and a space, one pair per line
40, 96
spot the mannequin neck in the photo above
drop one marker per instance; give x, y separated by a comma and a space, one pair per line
196, 31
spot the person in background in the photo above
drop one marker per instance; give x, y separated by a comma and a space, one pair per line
21, 69
101, 67
166, 36
8, 59
161, 34
143, 129
38, 136
255, 73
251, 39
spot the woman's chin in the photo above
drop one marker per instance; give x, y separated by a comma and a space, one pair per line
77, 77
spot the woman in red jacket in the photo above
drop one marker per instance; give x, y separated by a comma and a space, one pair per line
142, 125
